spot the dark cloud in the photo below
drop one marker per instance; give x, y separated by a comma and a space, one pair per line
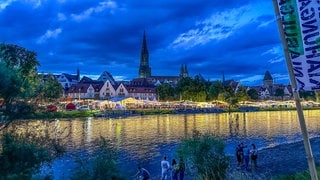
95, 36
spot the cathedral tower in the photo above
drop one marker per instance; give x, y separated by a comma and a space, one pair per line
144, 69
184, 71
267, 80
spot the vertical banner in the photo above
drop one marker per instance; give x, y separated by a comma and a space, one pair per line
301, 26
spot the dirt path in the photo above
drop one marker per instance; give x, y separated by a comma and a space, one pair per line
278, 160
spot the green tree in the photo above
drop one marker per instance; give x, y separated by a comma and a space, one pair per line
253, 94
192, 89
52, 88
307, 95
241, 94
165, 92
19, 74
317, 95
215, 89
279, 93
182, 88
198, 88
205, 154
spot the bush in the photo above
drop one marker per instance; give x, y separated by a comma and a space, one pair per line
206, 156
20, 158
103, 165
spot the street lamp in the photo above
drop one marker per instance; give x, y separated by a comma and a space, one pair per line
79, 94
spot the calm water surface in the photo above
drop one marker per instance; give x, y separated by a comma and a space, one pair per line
145, 139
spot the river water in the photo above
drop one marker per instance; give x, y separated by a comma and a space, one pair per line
144, 140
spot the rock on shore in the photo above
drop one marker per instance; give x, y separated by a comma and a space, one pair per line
283, 159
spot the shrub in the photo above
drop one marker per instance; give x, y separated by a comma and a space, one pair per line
206, 155
20, 158
103, 165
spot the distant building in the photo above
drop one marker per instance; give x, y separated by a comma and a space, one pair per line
184, 71
142, 89
107, 76
231, 82
269, 90
84, 90
267, 80
67, 80
144, 69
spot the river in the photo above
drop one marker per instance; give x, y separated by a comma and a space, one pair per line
145, 139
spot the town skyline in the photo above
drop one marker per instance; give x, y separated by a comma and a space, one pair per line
237, 39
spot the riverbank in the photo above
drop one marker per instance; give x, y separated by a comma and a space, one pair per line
136, 112
283, 159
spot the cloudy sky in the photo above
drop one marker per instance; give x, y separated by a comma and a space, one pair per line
239, 38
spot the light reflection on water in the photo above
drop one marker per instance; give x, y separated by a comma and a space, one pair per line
145, 139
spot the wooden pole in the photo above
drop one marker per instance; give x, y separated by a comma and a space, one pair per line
307, 146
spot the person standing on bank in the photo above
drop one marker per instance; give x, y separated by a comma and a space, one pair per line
182, 168
175, 169
246, 155
165, 165
254, 157
239, 152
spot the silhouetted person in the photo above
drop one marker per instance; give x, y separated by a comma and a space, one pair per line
182, 168
142, 174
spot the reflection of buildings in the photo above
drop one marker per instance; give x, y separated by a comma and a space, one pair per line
142, 134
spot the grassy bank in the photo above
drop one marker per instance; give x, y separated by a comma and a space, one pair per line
92, 113
62, 114
299, 176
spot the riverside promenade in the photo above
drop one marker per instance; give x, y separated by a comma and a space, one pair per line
283, 159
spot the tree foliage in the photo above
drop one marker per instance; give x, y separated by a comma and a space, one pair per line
308, 95
279, 93
241, 94
192, 89
165, 92
253, 94
52, 89
18, 74
215, 89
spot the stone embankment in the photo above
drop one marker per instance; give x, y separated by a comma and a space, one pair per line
283, 159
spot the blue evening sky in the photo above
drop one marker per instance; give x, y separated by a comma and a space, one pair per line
237, 37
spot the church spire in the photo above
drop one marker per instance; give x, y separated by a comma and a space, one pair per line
78, 74
144, 69
223, 79
267, 80
184, 71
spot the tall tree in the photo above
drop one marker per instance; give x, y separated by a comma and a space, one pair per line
19, 74
241, 94
52, 88
165, 92
279, 93
183, 88
253, 94
215, 89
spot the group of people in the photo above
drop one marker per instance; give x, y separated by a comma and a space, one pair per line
173, 171
245, 155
